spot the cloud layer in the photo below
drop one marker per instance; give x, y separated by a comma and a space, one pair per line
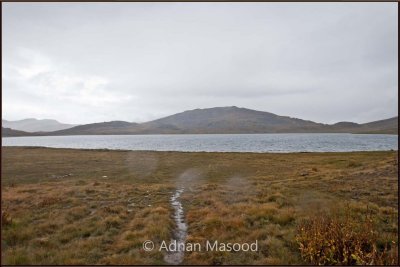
91, 62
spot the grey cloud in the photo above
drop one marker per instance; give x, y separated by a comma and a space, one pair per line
325, 62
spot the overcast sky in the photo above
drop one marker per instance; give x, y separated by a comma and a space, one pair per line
91, 62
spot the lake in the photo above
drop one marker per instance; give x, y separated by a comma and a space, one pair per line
217, 142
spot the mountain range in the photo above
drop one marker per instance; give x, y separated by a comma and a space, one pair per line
218, 120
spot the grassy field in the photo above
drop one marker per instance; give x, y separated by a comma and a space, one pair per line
66, 206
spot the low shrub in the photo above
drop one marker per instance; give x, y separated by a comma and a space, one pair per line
343, 240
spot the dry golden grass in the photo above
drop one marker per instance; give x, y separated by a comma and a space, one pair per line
97, 206
345, 239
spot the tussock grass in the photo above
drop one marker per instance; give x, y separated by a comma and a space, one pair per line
6, 218
345, 239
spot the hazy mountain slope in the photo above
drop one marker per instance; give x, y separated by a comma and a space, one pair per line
35, 125
387, 126
7, 132
382, 126
231, 120
112, 127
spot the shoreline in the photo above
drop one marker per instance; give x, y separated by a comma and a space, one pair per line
200, 152
40, 135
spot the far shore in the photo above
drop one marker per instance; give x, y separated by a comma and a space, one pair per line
43, 135
192, 152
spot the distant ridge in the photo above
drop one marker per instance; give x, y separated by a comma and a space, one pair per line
228, 120
232, 120
5, 132
35, 125
111, 127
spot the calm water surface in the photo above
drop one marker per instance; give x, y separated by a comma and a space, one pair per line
217, 142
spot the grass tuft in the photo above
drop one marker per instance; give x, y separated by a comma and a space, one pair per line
6, 218
343, 240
